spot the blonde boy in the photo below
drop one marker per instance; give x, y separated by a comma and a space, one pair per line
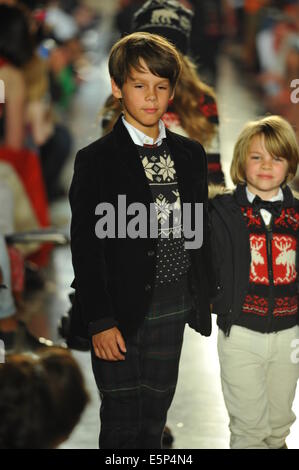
255, 242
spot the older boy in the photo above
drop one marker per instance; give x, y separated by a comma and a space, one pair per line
135, 294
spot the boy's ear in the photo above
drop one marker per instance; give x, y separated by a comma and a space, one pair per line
116, 91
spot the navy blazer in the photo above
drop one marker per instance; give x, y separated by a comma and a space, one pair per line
114, 277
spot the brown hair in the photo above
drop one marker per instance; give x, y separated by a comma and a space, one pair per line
280, 140
188, 90
41, 399
160, 56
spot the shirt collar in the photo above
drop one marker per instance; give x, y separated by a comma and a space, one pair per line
139, 138
278, 197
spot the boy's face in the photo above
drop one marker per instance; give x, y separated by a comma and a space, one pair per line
145, 99
264, 172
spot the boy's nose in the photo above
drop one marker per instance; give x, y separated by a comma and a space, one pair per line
267, 163
151, 96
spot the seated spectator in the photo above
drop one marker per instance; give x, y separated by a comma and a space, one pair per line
11, 327
51, 139
16, 256
63, 80
41, 399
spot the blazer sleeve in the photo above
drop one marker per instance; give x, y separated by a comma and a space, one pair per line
88, 252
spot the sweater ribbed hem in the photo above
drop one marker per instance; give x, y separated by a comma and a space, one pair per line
261, 325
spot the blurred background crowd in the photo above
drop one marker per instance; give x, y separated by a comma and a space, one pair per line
49, 50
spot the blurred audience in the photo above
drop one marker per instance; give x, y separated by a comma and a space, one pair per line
125, 13
13, 330
42, 398
16, 49
39, 62
51, 139
8, 321
277, 42
269, 52
208, 31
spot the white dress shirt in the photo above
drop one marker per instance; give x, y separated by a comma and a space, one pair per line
139, 138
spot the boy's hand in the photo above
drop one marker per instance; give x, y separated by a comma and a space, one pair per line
109, 345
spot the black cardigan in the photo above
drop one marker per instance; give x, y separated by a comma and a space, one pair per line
114, 278
231, 253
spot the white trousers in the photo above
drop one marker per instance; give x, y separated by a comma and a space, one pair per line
259, 374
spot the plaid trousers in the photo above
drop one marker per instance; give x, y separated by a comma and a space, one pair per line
137, 393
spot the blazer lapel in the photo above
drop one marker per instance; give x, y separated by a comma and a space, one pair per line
182, 161
130, 161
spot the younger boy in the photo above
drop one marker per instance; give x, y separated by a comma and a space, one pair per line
255, 243
135, 294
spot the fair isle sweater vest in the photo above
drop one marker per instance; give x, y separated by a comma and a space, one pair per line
271, 302
173, 261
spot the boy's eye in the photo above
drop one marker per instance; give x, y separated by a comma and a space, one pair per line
278, 159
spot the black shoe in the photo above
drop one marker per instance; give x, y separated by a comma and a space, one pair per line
167, 437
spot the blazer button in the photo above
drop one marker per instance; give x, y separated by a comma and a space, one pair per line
151, 253
148, 287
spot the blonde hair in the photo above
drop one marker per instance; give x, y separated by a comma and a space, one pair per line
280, 140
188, 90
